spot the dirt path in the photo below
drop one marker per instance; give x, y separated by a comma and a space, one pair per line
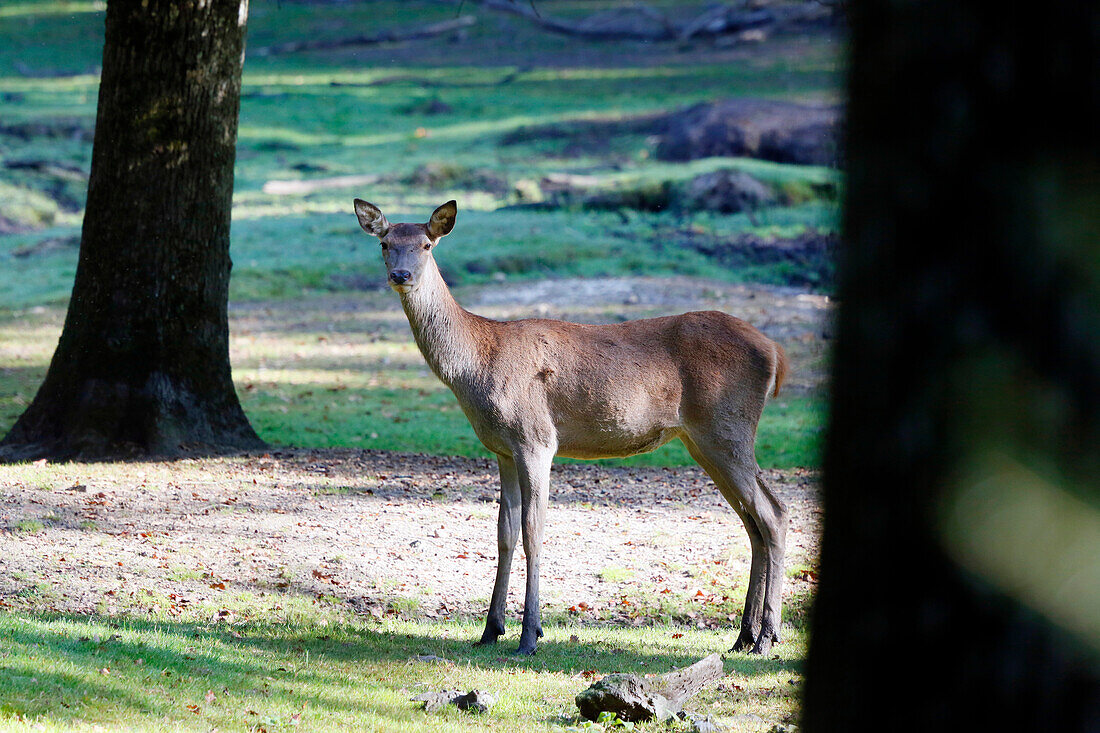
383, 533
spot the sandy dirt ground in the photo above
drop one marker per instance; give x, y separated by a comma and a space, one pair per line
382, 532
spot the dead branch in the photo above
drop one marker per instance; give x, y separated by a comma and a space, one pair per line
632, 697
585, 29
388, 36
623, 25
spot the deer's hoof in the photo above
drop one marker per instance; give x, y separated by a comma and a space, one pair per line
525, 650
745, 640
764, 641
493, 631
490, 636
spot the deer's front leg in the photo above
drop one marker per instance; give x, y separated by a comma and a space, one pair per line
507, 533
533, 467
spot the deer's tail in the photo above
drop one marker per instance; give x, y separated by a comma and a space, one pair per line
780, 369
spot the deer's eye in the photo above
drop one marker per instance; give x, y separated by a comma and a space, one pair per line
427, 246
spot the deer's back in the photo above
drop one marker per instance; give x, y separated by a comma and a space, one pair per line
626, 388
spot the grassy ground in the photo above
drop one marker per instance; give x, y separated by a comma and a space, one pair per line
433, 121
462, 118
343, 371
311, 670
243, 591
366, 111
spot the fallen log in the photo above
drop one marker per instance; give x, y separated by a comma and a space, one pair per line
636, 698
388, 36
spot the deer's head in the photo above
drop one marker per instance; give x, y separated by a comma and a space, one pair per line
406, 248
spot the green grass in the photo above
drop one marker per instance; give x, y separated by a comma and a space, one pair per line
322, 671
789, 433
366, 385
180, 573
291, 662
616, 575
312, 115
30, 526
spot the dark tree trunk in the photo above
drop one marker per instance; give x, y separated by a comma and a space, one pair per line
142, 366
958, 583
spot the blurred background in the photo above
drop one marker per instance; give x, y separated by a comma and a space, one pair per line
610, 160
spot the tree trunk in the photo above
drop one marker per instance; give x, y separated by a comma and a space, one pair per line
960, 562
142, 366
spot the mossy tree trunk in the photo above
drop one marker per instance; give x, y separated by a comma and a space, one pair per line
959, 560
142, 366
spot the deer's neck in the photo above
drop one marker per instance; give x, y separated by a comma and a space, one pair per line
445, 332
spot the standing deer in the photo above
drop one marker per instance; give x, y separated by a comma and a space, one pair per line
537, 388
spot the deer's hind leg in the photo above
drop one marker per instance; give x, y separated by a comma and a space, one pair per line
758, 570
533, 469
732, 466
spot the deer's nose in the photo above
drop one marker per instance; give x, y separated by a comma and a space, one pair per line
400, 277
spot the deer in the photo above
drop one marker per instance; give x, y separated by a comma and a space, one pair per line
537, 388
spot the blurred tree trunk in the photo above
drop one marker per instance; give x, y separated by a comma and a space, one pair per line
142, 366
958, 577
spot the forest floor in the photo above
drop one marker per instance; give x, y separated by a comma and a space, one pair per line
300, 588
304, 586
342, 369
344, 565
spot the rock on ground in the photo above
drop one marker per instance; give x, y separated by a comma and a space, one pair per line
474, 701
772, 130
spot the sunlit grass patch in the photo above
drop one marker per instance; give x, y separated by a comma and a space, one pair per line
65, 7
321, 114
30, 526
356, 379
343, 673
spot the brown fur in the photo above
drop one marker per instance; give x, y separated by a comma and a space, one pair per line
780, 369
537, 388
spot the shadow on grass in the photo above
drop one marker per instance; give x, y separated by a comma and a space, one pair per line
69, 667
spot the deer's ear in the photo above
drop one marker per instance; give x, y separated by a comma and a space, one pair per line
371, 218
443, 220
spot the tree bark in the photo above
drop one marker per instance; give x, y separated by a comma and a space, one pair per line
142, 366
966, 390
